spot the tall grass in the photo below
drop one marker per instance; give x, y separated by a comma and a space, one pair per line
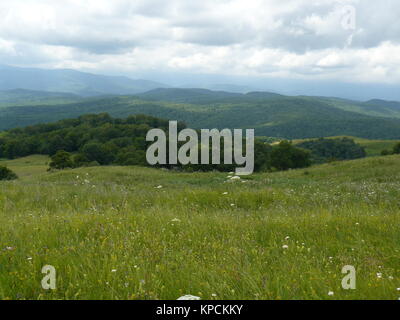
114, 233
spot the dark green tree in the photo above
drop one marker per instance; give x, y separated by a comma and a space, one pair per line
285, 156
61, 160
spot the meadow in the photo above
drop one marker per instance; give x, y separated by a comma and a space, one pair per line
141, 233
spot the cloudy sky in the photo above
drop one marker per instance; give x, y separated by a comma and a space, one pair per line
355, 40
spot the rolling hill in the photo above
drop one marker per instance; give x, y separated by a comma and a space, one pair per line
20, 97
270, 114
71, 81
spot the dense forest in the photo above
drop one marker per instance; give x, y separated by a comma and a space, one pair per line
102, 140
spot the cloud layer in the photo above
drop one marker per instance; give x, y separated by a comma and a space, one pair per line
348, 40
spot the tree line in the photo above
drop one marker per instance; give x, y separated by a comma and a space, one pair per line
99, 139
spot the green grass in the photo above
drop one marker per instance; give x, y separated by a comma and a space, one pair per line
188, 237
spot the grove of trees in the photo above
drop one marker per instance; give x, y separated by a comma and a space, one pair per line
102, 140
323, 150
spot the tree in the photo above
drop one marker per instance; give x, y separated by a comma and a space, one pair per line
101, 153
61, 160
285, 156
7, 174
325, 150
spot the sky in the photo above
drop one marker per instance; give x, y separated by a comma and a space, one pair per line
355, 41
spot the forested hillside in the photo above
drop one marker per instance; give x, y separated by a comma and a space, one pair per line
270, 115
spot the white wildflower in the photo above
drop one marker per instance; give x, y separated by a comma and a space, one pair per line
331, 293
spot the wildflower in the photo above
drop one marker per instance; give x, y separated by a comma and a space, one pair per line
114, 270
235, 178
159, 187
232, 204
285, 246
29, 258
287, 238
214, 295
379, 275
331, 293
188, 297
225, 193
175, 220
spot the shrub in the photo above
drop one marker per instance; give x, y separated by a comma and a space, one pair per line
61, 160
7, 174
396, 148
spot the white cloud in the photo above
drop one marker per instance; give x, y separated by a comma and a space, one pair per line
294, 38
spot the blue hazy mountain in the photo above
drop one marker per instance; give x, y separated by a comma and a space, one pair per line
71, 81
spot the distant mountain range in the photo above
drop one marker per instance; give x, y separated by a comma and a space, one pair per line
71, 81
20, 97
270, 114
30, 96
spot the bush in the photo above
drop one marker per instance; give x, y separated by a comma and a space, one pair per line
61, 160
396, 148
7, 174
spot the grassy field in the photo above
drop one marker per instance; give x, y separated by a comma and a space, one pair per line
140, 233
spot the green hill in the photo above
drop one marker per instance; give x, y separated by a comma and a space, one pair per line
270, 114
